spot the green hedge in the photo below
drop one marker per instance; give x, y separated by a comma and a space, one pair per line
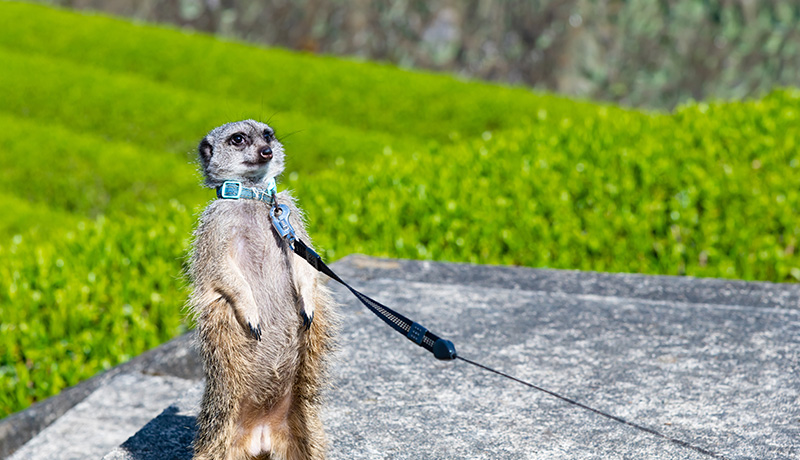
364, 96
104, 292
713, 191
100, 119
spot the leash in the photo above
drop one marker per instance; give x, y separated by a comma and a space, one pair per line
599, 412
413, 331
440, 348
279, 213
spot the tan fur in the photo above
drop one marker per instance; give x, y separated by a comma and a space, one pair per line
264, 370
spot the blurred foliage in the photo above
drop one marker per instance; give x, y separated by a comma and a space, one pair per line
693, 193
644, 53
101, 118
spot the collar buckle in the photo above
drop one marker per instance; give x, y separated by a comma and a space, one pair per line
230, 190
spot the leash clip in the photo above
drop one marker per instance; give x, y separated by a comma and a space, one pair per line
280, 220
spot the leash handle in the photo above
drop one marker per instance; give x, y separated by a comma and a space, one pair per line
441, 348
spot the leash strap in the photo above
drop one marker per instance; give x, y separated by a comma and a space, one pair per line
279, 214
413, 331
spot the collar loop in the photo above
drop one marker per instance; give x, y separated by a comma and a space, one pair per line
234, 190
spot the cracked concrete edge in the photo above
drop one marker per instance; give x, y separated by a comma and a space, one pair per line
106, 418
689, 289
173, 358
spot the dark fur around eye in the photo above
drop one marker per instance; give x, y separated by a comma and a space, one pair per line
269, 136
237, 139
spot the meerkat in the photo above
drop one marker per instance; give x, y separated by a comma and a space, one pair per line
264, 320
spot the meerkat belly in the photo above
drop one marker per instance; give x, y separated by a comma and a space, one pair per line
263, 417
265, 266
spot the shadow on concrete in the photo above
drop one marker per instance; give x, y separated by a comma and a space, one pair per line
168, 436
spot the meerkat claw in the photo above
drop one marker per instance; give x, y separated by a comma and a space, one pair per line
307, 320
255, 331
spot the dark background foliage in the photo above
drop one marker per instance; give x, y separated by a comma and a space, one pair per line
643, 53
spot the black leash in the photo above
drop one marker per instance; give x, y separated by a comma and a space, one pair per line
413, 331
445, 350
599, 412
440, 348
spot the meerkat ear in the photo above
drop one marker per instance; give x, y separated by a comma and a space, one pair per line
205, 150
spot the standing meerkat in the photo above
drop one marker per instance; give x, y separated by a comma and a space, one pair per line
264, 321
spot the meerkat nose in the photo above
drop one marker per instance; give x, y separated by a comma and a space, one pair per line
266, 153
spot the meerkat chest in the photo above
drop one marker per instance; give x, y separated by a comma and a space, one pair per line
256, 245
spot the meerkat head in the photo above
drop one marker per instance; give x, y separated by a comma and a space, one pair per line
245, 151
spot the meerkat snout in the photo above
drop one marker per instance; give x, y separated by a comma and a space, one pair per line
266, 153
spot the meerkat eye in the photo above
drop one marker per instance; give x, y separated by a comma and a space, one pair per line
268, 135
237, 139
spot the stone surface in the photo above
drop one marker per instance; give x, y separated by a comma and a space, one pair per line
168, 436
710, 363
175, 358
107, 417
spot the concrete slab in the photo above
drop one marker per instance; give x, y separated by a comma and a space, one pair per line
175, 358
168, 436
712, 363
107, 417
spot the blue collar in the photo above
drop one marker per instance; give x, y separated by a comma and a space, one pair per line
234, 190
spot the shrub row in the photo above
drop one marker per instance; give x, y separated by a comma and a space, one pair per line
712, 190
364, 96
103, 292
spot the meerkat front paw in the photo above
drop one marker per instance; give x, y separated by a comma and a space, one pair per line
247, 315
307, 319
255, 331
306, 309
306, 304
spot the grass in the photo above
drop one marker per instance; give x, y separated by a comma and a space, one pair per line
101, 118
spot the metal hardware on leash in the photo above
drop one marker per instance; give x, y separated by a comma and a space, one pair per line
280, 220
